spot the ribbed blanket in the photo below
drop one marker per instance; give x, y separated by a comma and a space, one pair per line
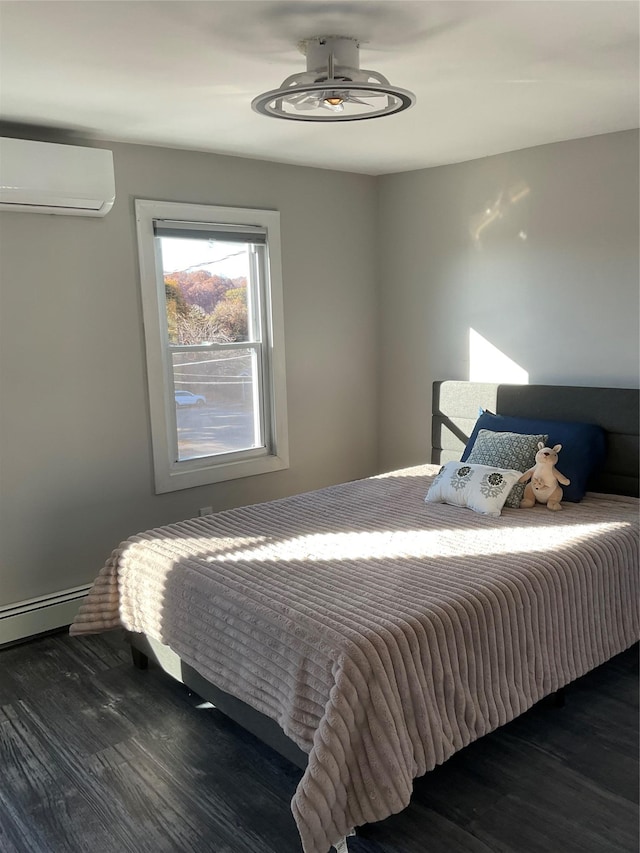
382, 633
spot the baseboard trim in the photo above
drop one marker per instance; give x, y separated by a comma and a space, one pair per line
25, 619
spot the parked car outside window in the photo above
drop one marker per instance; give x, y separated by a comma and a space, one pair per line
187, 398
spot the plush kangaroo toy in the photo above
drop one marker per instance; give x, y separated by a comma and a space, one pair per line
544, 477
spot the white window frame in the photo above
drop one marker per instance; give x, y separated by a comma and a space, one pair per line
171, 475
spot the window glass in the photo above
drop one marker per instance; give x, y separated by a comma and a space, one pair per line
215, 402
206, 290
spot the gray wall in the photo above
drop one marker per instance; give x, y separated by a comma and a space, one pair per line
536, 251
76, 473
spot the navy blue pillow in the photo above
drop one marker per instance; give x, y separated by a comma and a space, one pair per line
583, 445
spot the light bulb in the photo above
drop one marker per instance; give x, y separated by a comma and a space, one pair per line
333, 102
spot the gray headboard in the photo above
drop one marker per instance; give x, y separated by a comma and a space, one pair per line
456, 407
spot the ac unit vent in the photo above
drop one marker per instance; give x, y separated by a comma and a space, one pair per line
45, 177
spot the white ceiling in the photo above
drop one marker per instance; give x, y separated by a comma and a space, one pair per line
489, 76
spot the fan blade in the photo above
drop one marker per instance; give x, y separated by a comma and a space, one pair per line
296, 99
351, 100
303, 101
371, 93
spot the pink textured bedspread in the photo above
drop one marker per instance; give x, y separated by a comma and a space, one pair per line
382, 633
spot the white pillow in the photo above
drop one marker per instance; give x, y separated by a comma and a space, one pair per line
482, 488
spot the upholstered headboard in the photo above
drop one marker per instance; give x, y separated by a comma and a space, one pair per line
456, 406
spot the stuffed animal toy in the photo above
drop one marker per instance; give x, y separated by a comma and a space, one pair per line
544, 477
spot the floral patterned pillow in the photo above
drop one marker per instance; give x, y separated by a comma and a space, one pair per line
507, 450
482, 488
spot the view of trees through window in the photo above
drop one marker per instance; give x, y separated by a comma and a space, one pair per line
205, 307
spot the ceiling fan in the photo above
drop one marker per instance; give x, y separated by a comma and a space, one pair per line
334, 87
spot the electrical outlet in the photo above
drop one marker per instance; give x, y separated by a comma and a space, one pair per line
205, 510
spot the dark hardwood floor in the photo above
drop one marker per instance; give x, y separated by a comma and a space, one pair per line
98, 756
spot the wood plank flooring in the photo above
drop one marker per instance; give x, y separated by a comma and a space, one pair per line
98, 756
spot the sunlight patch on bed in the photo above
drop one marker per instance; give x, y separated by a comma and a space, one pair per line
411, 544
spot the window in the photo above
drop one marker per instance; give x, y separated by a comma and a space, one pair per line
212, 307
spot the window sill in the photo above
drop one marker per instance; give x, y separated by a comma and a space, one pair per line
174, 480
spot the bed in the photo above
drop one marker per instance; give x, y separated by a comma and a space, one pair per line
366, 634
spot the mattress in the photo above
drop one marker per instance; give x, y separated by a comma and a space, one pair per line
382, 633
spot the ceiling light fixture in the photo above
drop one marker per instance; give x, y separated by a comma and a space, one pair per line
334, 87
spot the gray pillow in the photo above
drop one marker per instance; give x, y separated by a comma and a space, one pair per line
507, 450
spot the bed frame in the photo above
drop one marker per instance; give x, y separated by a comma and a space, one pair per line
456, 408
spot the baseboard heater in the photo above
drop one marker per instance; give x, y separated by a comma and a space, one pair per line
25, 619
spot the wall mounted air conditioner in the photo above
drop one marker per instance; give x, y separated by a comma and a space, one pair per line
45, 177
